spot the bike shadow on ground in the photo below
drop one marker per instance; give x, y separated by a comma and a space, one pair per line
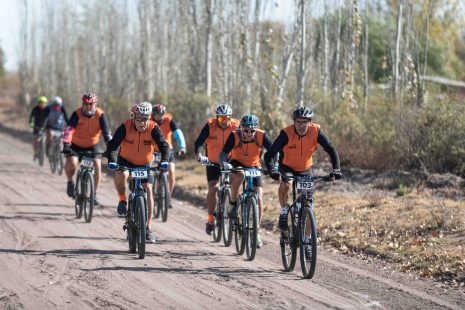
44, 216
73, 253
38, 205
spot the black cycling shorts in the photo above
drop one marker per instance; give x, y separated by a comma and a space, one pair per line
257, 182
286, 171
123, 162
76, 148
213, 173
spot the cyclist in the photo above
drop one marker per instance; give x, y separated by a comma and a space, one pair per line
214, 133
56, 118
137, 137
245, 145
37, 121
296, 145
82, 134
169, 128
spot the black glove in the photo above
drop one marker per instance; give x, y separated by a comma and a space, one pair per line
336, 174
67, 149
275, 175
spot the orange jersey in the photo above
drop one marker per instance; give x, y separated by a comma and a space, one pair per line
299, 150
217, 137
88, 131
138, 147
165, 127
248, 154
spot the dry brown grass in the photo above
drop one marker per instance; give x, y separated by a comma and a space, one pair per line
418, 232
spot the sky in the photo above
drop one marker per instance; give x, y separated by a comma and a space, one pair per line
10, 24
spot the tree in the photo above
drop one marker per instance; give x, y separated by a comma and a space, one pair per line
2, 62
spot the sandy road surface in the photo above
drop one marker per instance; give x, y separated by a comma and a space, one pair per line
49, 259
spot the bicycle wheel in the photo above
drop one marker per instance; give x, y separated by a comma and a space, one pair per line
239, 232
78, 195
251, 210
41, 150
164, 196
88, 197
308, 242
51, 158
288, 242
139, 221
58, 158
156, 194
218, 217
131, 227
227, 227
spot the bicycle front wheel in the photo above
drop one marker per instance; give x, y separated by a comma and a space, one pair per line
218, 217
251, 210
288, 242
239, 232
140, 224
58, 158
78, 195
308, 242
51, 158
42, 150
88, 197
155, 191
164, 196
131, 227
227, 226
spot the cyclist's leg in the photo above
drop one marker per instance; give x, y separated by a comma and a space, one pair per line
236, 181
48, 140
257, 182
70, 166
97, 172
120, 179
148, 186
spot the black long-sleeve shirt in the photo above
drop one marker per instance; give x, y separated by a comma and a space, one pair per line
283, 139
203, 135
39, 116
120, 134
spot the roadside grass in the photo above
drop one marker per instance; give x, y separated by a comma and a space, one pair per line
418, 232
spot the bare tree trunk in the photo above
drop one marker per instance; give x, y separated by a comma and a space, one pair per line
325, 48
365, 60
210, 6
397, 56
337, 60
301, 77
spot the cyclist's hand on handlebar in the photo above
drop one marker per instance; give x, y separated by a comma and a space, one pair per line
112, 165
182, 152
164, 165
67, 148
203, 159
336, 174
275, 175
226, 166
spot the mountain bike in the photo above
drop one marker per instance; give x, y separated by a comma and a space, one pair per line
302, 231
222, 224
40, 149
136, 218
55, 156
84, 187
245, 225
161, 194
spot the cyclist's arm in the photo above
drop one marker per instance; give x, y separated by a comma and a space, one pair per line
65, 114
159, 139
201, 139
227, 148
330, 149
69, 131
275, 148
178, 135
46, 114
115, 142
32, 115
106, 131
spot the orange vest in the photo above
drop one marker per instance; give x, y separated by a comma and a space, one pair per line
248, 154
88, 129
217, 137
299, 150
138, 147
166, 129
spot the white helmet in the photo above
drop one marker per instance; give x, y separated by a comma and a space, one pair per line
143, 109
223, 110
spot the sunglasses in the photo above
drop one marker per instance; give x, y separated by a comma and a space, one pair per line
141, 120
301, 122
223, 118
249, 130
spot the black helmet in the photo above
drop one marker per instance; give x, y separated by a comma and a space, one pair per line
249, 121
159, 109
303, 112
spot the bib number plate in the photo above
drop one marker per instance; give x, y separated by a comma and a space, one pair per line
252, 173
305, 185
87, 162
139, 174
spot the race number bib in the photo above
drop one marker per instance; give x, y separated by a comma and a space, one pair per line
252, 173
139, 174
87, 162
305, 185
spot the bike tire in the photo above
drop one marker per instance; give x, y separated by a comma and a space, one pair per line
59, 158
51, 158
78, 195
41, 150
218, 217
251, 228
308, 229
164, 198
155, 191
288, 243
131, 228
88, 199
239, 236
140, 224
226, 225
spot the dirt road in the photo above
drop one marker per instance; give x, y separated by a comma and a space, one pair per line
49, 259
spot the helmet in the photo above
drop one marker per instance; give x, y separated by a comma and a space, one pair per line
250, 121
89, 98
223, 110
42, 99
303, 112
56, 101
159, 109
143, 109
